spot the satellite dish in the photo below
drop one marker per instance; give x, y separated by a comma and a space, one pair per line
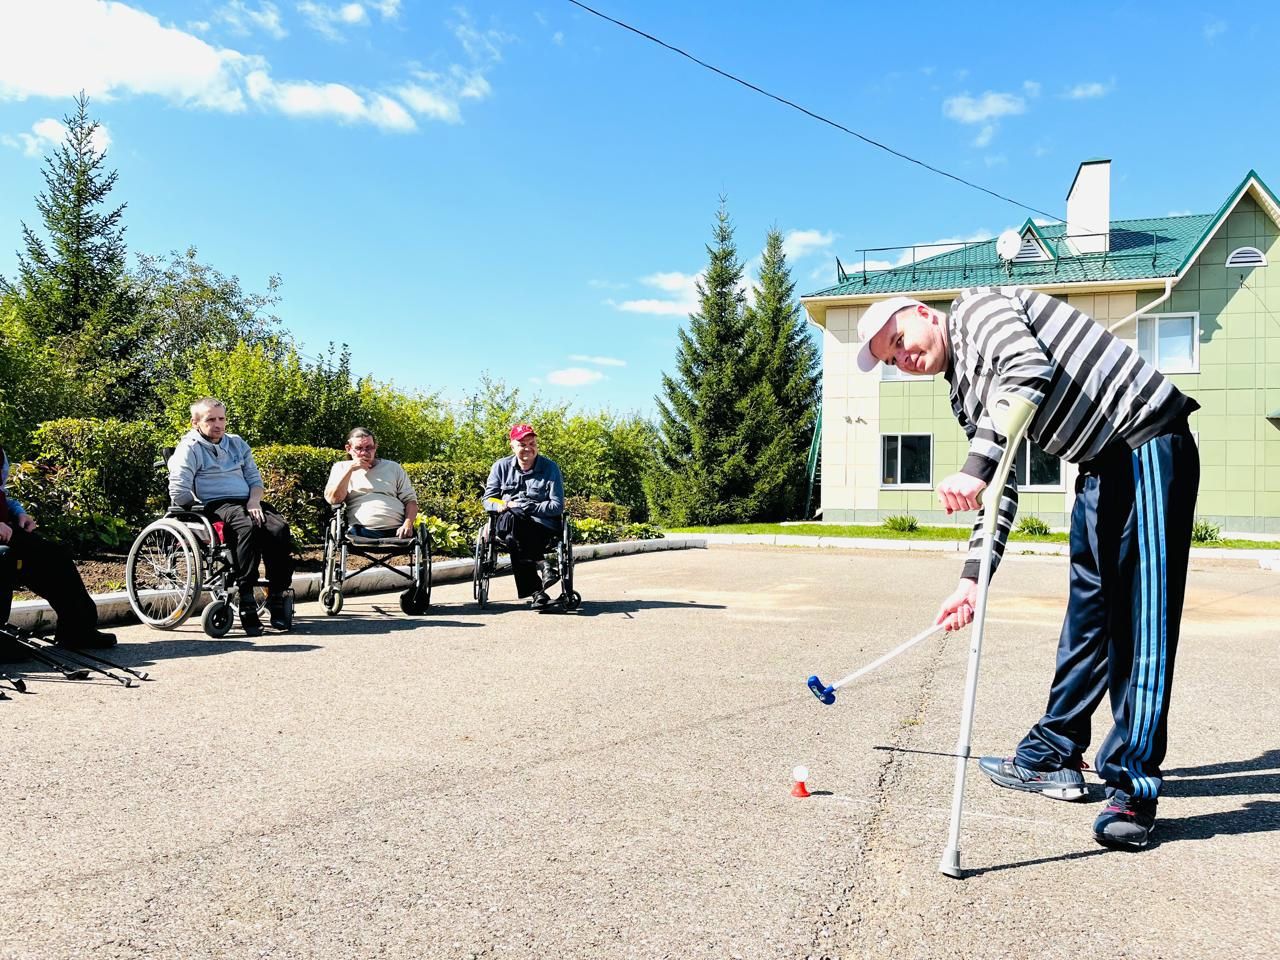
1008, 244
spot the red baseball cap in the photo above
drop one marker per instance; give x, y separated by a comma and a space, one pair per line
522, 430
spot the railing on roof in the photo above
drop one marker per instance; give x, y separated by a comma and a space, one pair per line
1060, 252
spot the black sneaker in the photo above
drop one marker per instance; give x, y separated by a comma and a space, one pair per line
278, 609
1061, 784
93, 640
558, 605
539, 599
249, 619
1127, 823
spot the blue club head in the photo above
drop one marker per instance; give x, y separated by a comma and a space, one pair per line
825, 694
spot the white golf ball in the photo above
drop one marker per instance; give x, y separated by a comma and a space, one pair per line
800, 774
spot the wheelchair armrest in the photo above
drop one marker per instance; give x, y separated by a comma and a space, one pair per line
174, 510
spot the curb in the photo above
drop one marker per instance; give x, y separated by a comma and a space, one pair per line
113, 608
1267, 559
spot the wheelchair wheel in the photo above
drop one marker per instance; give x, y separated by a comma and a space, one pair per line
164, 574
331, 600
480, 572
217, 619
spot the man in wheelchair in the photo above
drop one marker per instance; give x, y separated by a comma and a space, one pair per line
380, 499
375, 507
214, 471
524, 497
46, 569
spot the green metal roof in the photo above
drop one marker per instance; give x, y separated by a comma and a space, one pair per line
1140, 249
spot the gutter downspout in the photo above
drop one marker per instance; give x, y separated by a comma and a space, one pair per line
1168, 292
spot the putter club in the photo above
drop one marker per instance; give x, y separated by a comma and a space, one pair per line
92, 658
827, 694
37, 653
1011, 415
79, 659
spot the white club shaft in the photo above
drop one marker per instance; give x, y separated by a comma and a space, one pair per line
901, 648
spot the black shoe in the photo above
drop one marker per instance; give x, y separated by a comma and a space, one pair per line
558, 605
94, 640
539, 600
1127, 823
1061, 784
278, 608
249, 620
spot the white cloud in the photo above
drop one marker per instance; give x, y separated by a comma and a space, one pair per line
482, 46
1214, 29
1088, 91
333, 100
558, 38
49, 133
56, 48
598, 361
801, 243
984, 135
681, 299
574, 377
1178, 213
390, 9
326, 19
1031, 88
242, 20
989, 106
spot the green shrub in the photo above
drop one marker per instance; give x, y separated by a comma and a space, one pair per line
1202, 531
457, 479
590, 530
584, 508
1033, 526
447, 539
294, 477
641, 531
903, 523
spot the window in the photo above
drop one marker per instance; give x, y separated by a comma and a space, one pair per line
906, 460
1246, 257
1171, 341
1036, 470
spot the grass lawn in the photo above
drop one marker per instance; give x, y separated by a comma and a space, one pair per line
882, 532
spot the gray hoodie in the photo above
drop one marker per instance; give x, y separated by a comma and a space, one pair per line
202, 470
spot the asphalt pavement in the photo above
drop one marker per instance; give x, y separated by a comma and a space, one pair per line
616, 782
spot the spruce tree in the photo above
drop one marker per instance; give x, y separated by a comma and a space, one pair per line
784, 398
705, 467
73, 289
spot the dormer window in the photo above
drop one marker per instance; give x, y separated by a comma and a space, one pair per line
1247, 257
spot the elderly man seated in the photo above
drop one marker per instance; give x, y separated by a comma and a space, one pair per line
380, 500
216, 468
525, 495
46, 569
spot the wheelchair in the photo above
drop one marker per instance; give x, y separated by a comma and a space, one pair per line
340, 543
559, 557
174, 560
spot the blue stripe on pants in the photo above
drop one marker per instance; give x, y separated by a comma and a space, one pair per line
1130, 538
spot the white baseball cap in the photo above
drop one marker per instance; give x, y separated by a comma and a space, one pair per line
873, 321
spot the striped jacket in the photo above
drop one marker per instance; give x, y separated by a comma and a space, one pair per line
1091, 389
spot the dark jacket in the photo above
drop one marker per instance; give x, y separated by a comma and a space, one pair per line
538, 494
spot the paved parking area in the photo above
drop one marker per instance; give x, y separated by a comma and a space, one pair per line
616, 783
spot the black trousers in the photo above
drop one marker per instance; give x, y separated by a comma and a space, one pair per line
526, 541
1130, 539
47, 570
272, 543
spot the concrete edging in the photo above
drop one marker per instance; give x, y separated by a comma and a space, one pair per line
113, 608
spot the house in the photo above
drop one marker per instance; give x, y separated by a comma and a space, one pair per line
1198, 295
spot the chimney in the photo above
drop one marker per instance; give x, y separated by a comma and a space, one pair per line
1089, 208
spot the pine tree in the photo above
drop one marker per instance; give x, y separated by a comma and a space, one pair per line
705, 466
786, 385
73, 288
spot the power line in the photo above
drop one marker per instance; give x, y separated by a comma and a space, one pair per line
816, 116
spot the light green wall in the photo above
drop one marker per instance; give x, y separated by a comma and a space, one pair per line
1239, 379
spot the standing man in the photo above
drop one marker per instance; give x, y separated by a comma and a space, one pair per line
217, 469
379, 495
1103, 407
524, 496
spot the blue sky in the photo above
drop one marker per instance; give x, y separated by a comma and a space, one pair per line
524, 189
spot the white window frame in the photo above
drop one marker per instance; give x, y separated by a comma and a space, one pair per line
1157, 318
928, 485
1058, 487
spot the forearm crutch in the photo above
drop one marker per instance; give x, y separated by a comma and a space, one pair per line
1011, 415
